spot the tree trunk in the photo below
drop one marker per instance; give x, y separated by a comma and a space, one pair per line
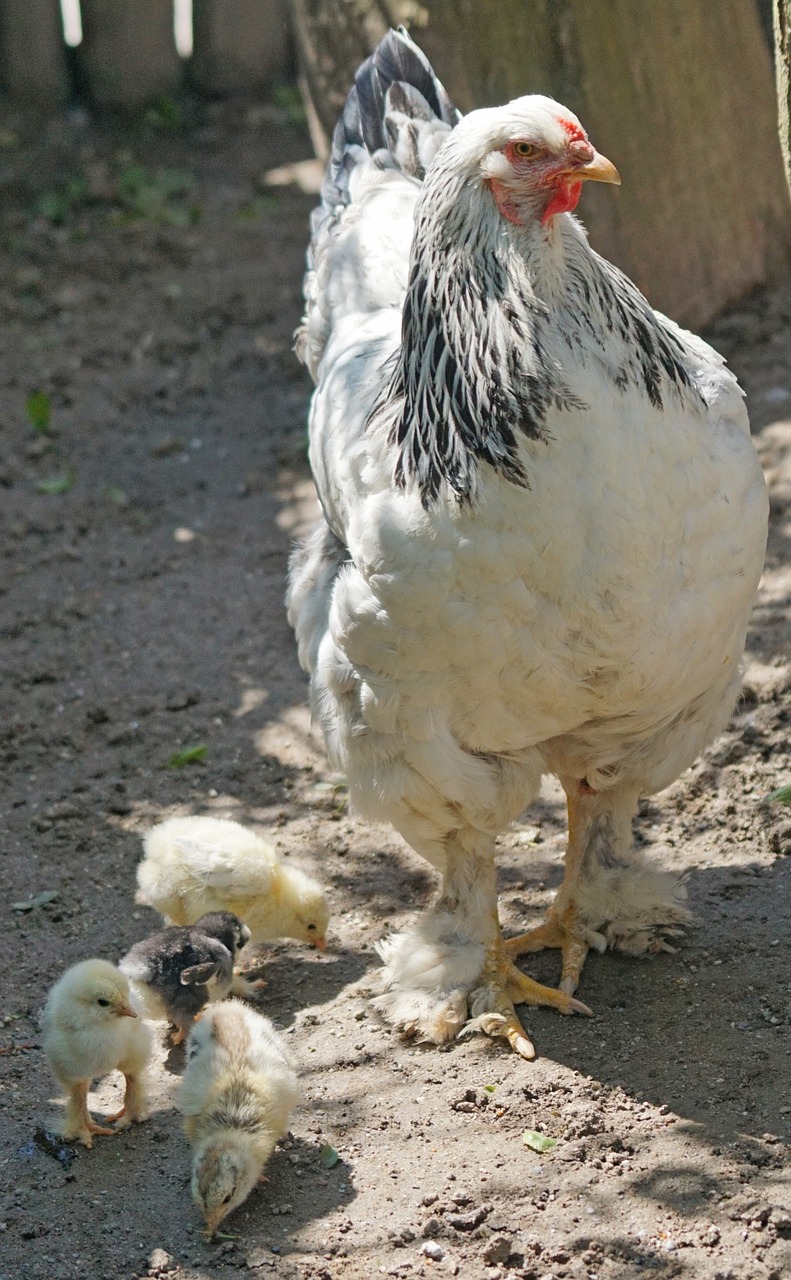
782, 15
32, 53
128, 53
682, 103
240, 45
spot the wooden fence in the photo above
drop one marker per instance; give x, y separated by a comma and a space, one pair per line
128, 55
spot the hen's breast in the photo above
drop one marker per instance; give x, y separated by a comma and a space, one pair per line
618, 585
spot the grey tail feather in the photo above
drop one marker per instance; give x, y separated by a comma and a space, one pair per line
397, 76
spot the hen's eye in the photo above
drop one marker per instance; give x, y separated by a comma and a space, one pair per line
104, 1003
527, 150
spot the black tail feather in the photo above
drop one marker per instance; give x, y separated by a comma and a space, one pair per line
397, 75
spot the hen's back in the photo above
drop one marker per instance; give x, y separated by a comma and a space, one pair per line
396, 117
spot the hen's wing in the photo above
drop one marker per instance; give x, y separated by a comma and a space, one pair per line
396, 117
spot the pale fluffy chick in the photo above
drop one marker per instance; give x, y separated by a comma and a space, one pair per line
89, 1029
236, 1097
193, 865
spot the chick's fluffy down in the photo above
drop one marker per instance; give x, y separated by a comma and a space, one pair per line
89, 1029
85, 1032
236, 1096
197, 864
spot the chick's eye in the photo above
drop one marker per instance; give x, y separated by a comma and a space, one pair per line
311, 928
228, 1198
104, 1003
527, 150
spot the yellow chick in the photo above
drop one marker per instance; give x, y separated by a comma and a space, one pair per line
236, 1096
89, 1029
194, 865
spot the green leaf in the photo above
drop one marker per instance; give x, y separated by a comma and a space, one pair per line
538, 1141
57, 484
164, 113
40, 900
190, 755
782, 794
328, 1156
489, 1088
289, 100
116, 495
38, 407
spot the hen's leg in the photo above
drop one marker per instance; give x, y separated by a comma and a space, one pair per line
454, 958
610, 896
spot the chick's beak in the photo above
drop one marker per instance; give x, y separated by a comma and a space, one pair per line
599, 169
320, 944
125, 1011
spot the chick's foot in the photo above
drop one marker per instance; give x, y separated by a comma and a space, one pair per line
79, 1125
134, 1107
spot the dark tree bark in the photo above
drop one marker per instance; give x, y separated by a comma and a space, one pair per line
682, 103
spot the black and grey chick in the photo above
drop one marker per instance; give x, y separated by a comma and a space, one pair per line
178, 970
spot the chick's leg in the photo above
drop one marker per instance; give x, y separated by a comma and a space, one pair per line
611, 896
134, 1107
78, 1123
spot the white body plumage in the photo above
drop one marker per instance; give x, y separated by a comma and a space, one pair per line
545, 519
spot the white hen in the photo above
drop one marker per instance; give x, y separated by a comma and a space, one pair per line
544, 523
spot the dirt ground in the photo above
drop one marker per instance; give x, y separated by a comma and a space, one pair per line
150, 286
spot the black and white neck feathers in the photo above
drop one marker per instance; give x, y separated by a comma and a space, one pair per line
495, 321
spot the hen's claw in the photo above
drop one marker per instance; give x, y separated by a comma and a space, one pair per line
492, 1003
559, 932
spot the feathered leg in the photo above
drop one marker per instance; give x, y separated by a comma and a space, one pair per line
453, 960
611, 896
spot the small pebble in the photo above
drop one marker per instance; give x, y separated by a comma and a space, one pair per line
433, 1250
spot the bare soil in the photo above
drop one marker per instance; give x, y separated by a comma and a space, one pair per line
150, 287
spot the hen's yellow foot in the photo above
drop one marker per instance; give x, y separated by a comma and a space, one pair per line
502, 987
557, 932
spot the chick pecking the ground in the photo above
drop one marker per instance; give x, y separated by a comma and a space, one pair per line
236, 1097
192, 865
89, 1029
180, 969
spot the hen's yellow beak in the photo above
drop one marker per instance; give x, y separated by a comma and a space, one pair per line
599, 169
